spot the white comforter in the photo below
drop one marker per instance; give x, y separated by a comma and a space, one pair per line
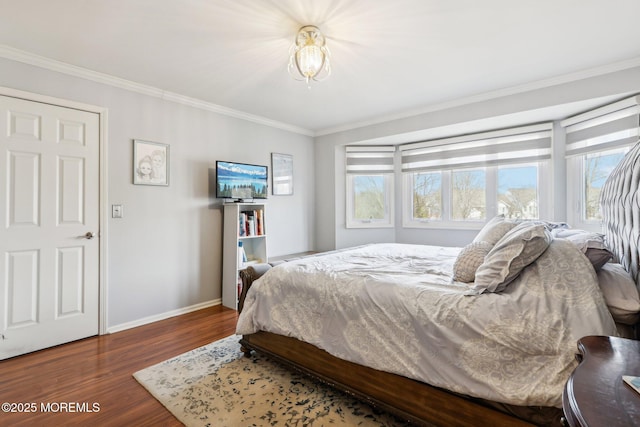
393, 307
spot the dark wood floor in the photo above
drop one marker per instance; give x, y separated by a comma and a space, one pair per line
99, 370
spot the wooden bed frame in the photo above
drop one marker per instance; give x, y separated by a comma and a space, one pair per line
413, 401
416, 402
420, 403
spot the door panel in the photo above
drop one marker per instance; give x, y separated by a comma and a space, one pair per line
70, 283
23, 173
71, 200
49, 186
22, 289
24, 126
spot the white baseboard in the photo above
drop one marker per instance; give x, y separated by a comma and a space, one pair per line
162, 316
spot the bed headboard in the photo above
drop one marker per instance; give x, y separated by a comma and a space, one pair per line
620, 207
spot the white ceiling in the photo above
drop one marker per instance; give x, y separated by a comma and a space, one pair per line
390, 58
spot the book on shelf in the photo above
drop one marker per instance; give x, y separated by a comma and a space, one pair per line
259, 222
242, 255
242, 228
634, 382
251, 223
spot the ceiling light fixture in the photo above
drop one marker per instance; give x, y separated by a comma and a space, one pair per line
309, 55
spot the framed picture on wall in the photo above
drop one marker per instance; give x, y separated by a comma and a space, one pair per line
281, 174
150, 163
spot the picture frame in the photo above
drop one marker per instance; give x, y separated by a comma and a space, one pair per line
150, 163
281, 174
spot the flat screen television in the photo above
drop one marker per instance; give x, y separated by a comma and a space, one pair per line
241, 181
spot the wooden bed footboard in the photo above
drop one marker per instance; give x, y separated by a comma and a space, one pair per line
411, 400
414, 401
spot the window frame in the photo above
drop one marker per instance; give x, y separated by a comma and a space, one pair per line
545, 189
451, 195
407, 209
389, 206
576, 203
601, 130
545, 195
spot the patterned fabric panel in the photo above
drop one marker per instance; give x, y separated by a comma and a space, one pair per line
620, 206
468, 261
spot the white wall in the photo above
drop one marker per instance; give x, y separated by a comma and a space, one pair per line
545, 102
166, 253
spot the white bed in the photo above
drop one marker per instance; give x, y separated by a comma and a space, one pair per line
381, 305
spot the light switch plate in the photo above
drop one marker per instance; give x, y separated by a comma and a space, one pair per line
117, 211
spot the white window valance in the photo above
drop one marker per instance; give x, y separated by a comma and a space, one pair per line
365, 160
608, 127
507, 146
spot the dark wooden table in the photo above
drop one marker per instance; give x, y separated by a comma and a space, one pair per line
595, 394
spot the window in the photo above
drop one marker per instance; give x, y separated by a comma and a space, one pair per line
518, 191
460, 182
587, 174
596, 168
468, 195
427, 195
369, 186
369, 196
596, 141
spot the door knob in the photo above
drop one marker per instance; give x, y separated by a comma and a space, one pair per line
90, 235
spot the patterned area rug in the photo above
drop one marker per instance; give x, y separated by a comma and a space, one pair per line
216, 385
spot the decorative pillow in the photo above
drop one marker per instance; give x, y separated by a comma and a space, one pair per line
598, 257
620, 293
468, 261
517, 249
591, 244
494, 230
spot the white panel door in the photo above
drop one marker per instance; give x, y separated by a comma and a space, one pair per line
49, 239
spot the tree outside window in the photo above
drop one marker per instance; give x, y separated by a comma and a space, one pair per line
597, 167
427, 196
369, 197
468, 195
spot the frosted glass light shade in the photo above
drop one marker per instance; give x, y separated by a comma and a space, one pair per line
309, 55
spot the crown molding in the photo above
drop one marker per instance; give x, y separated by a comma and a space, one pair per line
106, 79
95, 76
487, 96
